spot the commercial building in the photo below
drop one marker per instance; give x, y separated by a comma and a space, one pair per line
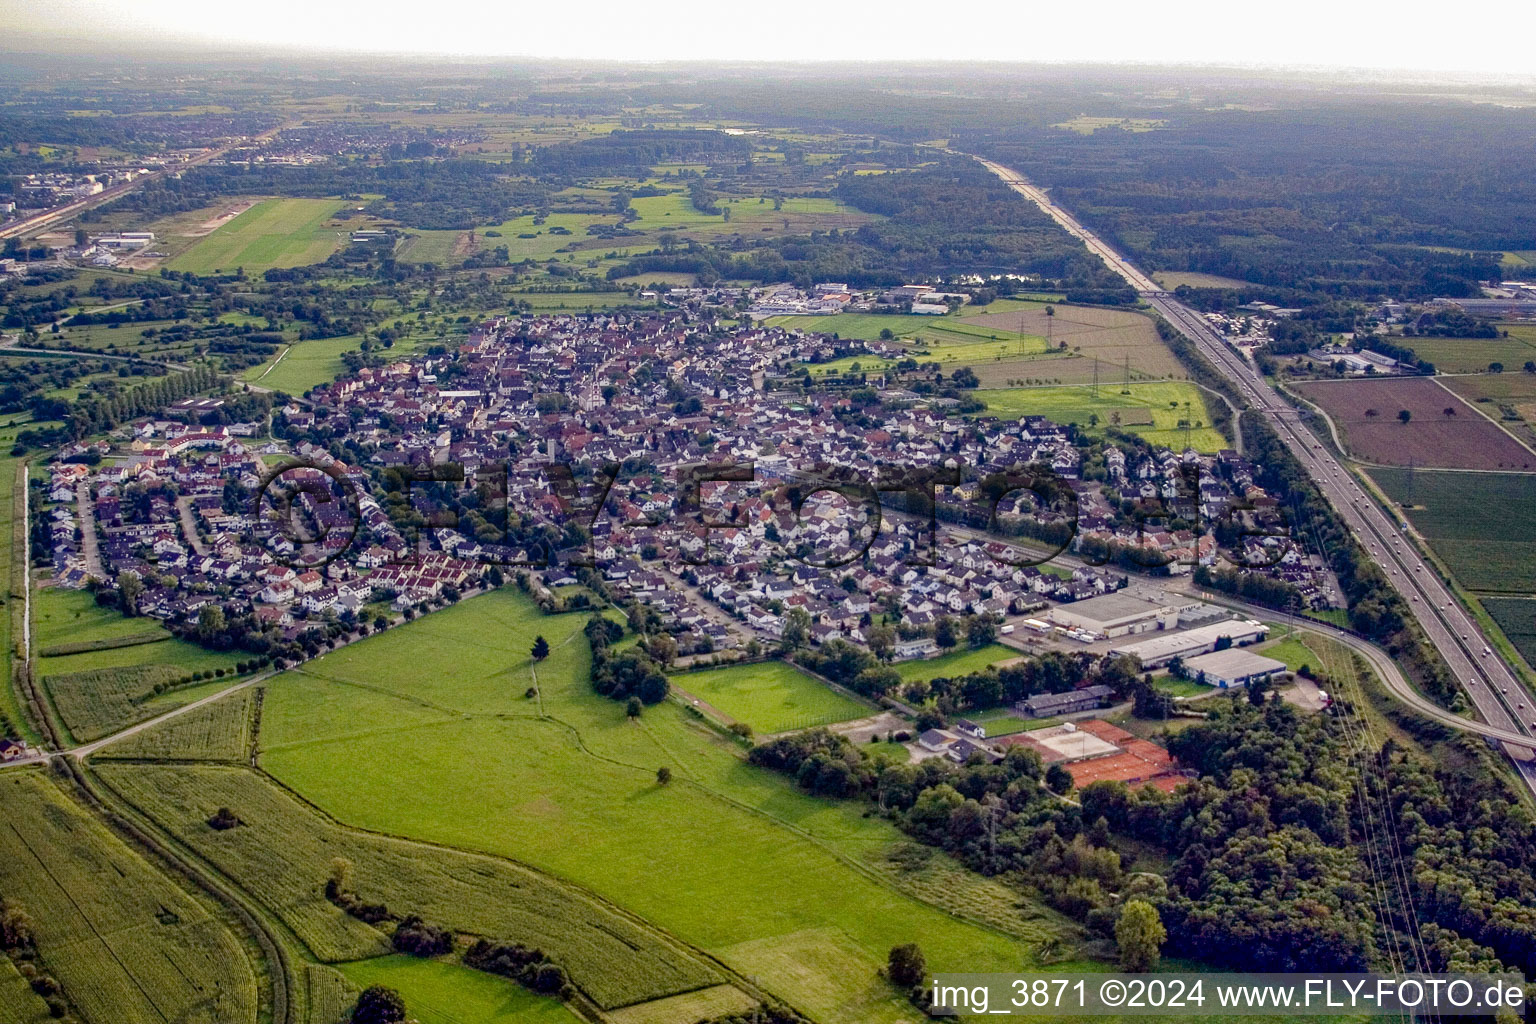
1157, 651
1232, 667
1122, 612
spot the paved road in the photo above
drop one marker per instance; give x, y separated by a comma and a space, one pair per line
89, 546
1497, 694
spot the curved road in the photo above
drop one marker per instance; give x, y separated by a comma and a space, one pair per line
1497, 694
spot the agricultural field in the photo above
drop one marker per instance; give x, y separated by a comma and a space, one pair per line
111, 684
18, 1003
272, 233
304, 365
1516, 617
493, 770
446, 993
1474, 355
1509, 398
956, 663
1481, 525
282, 853
127, 945
770, 697
1172, 279
1150, 409
1122, 344
220, 731
1443, 430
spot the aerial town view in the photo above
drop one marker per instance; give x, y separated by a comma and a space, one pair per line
772, 519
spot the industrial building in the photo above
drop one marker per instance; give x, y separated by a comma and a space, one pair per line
1157, 651
1232, 667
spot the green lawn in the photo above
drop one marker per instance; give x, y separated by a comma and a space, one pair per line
1163, 403
425, 731
273, 233
436, 992
771, 696
960, 662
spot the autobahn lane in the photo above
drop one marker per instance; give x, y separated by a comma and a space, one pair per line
1495, 691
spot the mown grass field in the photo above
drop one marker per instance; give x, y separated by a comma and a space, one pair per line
959, 662
303, 365
425, 732
771, 696
127, 945
283, 850
445, 993
1482, 525
1152, 409
273, 233
73, 617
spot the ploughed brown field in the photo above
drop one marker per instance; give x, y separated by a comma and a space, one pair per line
1442, 431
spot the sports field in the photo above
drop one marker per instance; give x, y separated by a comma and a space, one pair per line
960, 662
426, 732
1150, 409
770, 697
1482, 525
273, 233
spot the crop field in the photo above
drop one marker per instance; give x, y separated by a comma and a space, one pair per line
127, 945
1516, 616
1509, 398
1482, 525
446, 993
18, 1003
273, 233
770, 697
329, 996
283, 849
1113, 337
1443, 431
220, 731
703, 1004
440, 702
959, 662
1152, 409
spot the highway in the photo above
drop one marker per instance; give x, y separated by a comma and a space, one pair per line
48, 218
1494, 689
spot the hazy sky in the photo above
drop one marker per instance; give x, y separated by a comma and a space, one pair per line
1483, 37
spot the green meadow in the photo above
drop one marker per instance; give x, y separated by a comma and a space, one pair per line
426, 732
